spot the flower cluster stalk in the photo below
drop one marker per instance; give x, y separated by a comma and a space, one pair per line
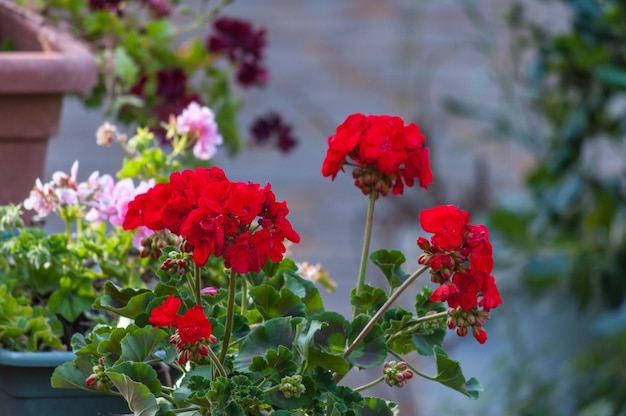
230, 312
367, 237
394, 296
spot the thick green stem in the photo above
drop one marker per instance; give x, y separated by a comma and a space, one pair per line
379, 314
370, 384
367, 238
217, 363
244, 297
230, 312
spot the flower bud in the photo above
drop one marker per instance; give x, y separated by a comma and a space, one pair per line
397, 374
291, 386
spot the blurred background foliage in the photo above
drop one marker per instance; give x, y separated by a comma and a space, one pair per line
568, 109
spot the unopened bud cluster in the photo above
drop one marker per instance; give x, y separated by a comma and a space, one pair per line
177, 262
462, 320
397, 374
98, 379
191, 351
291, 386
369, 180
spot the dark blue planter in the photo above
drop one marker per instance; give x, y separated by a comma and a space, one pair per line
25, 389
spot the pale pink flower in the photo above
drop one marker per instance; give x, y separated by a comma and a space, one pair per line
124, 192
41, 199
199, 124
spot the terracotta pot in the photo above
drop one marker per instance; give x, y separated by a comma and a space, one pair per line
46, 64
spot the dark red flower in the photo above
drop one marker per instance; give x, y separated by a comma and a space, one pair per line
165, 314
271, 129
193, 326
243, 46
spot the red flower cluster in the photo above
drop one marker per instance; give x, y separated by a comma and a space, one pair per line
241, 222
386, 154
193, 329
243, 46
459, 255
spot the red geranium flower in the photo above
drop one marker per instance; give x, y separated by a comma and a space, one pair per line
386, 153
459, 255
164, 314
193, 326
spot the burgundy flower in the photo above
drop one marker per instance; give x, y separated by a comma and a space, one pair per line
271, 129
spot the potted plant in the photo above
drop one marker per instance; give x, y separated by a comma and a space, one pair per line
39, 64
244, 328
49, 281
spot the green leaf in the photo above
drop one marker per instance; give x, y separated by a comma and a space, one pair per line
613, 76
125, 67
389, 262
449, 374
370, 299
378, 407
73, 374
126, 302
269, 335
138, 396
142, 344
274, 364
370, 352
274, 304
318, 355
69, 304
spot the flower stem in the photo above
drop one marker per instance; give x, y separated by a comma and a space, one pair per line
217, 363
370, 384
244, 297
367, 237
230, 312
381, 311
412, 368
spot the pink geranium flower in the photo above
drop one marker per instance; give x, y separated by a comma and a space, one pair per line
198, 123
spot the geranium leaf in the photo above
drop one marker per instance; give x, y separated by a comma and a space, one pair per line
375, 406
274, 365
389, 262
316, 355
138, 396
449, 374
306, 290
73, 374
270, 334
274, 304
370, 299
126, 302
396, 323
372, 350
139, 372
69, 304
142, 344
332, 337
